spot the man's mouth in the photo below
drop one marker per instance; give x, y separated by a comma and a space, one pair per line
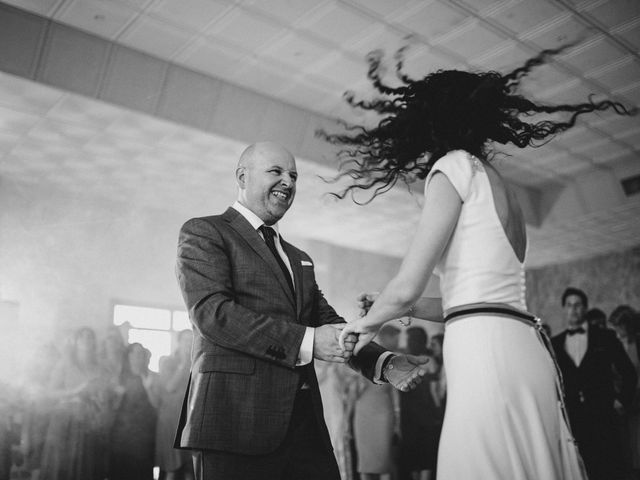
280, 195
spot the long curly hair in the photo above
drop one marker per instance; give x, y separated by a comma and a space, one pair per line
423, 120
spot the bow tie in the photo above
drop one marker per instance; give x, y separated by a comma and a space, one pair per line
573, 331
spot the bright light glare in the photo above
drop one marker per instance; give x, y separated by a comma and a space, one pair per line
159, 343
142, 317
181, 320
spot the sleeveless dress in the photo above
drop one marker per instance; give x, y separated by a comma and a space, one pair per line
504, 418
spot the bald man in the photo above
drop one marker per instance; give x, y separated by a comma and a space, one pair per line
253, 409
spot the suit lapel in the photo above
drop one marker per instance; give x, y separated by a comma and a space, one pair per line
255, 241
296, 267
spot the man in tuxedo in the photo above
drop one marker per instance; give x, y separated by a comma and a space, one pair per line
599, 381
253, 408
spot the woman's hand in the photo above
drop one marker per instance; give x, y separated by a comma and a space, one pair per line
363, 329
365, 301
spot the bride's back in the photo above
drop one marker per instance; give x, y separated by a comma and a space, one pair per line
484, 259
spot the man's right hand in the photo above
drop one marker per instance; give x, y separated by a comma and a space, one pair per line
326, 347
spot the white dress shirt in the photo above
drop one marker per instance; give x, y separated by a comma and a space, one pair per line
305, 355
576, 344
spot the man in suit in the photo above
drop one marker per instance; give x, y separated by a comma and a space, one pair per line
599, 381
253, 408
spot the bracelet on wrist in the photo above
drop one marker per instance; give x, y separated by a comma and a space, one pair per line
409, 316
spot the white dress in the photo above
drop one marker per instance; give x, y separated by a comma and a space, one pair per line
504, 419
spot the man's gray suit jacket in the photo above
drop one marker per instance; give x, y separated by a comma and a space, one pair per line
248, 329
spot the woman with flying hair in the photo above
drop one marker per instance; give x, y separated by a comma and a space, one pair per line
504, 418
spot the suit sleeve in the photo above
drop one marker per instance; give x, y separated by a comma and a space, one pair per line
203, 270
625, 369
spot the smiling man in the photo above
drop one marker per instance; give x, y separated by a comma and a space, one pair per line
253, 408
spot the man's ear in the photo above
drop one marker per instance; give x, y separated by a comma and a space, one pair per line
241, 174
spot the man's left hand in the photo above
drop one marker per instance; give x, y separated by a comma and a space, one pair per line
405, 372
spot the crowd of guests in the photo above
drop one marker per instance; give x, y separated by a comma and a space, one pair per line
93, 410
599, 360
396, 434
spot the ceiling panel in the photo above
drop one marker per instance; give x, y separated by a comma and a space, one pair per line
613, 13
430, 19
521, 16
102, 18
245, 30
154, 37
307, 53
192, 14
594, 55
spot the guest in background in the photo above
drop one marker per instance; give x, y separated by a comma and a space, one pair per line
588, 358
37, 409
75, 444
174, 376
596, 318
421, 411
625, 322
133, 432
375, 419
113, 356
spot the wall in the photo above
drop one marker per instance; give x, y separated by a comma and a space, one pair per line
65, 259
608, 280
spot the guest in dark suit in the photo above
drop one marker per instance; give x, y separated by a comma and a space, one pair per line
253, 409
590, 358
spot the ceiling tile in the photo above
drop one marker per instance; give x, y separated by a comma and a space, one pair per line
422, 60
76, 109
297, 50
473, 41
287, 11
16, 123
55, 131
504, 59
155, 37
192, 14
384, 8
594, 55
606, 152
335, 23
578, 137
576, 91
631, 34
378, 37
545, 77
621, 75
42, 7
482, 6
565, 31
27, 96
613, 124
105, 19
245, 30
631, 94
431, 19
262, 75
614, 12
521, 16
340, 68
631, 138
204, 55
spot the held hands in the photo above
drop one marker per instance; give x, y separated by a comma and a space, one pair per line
325, 343
405, 372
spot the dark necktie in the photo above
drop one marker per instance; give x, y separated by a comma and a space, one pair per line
573, 331
269, 238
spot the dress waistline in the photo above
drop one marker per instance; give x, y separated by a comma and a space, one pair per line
500, 309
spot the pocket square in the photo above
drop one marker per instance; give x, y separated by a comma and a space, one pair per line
304, 263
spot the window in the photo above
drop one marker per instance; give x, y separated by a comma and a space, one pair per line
155, 328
